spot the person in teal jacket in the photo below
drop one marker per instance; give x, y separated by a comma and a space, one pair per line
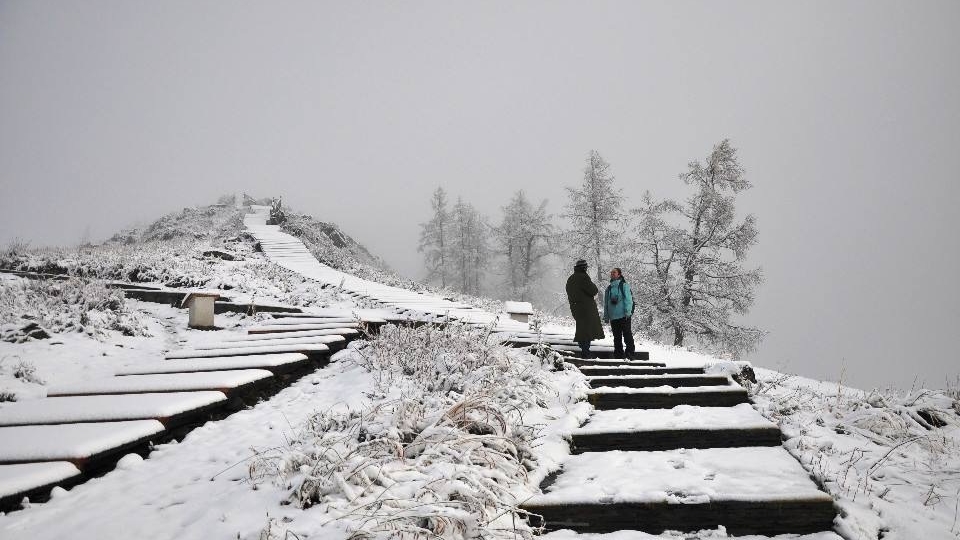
618, 309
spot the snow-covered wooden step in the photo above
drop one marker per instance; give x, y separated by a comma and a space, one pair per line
667, 397
270, 338
566, 347
30, 479
310, 340
683, 426
364, 315
310, 320
169, 408
642, 358
278, 328
606, 371
227, 382
650, 381
747, 490
315, 349
275, 363
567, 534
76, 443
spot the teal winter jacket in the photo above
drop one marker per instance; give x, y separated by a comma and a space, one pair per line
624, 302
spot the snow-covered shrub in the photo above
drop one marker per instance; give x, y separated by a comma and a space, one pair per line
440, 454
885, 455
78, 305
26, 372
212, 223
6, 396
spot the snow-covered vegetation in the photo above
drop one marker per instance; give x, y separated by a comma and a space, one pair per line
891, 458
34, 309
446, 449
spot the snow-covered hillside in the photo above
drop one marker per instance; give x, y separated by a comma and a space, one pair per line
417, 432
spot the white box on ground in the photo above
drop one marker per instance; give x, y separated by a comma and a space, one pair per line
201, 308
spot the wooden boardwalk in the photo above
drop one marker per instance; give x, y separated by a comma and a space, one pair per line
676, 449
80, 430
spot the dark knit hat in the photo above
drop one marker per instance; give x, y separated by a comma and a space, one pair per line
581, 264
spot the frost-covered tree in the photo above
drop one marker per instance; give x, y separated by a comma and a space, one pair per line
595, 213
690, 258
469, 251
524, 241
435, 238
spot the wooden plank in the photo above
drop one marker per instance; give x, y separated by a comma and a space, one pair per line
227, 382
754, 490
739, 517
267, 338
311, 350
604, 400
275, 363
239, 307
600, 371
649, 381
32, 480
273, 328
278, 321
329, 340
612, 362
672, 439
171, 408
79, 444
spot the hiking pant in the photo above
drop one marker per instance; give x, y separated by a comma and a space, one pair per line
622, 332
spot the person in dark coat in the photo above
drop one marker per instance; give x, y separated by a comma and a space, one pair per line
582, 293
617, 310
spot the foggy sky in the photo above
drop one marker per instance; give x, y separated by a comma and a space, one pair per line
846, 115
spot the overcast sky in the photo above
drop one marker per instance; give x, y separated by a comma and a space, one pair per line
846, 115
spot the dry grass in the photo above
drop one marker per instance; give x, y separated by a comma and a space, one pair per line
440, 454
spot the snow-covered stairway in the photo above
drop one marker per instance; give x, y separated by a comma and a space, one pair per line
646, 462
80, 430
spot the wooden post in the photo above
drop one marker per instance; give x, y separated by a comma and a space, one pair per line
519, 311
201, 309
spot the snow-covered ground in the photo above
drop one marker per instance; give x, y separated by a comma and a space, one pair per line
890, 459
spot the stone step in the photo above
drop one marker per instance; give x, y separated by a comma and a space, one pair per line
655, 398
746, 490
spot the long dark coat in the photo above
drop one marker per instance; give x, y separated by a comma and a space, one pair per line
581, 292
